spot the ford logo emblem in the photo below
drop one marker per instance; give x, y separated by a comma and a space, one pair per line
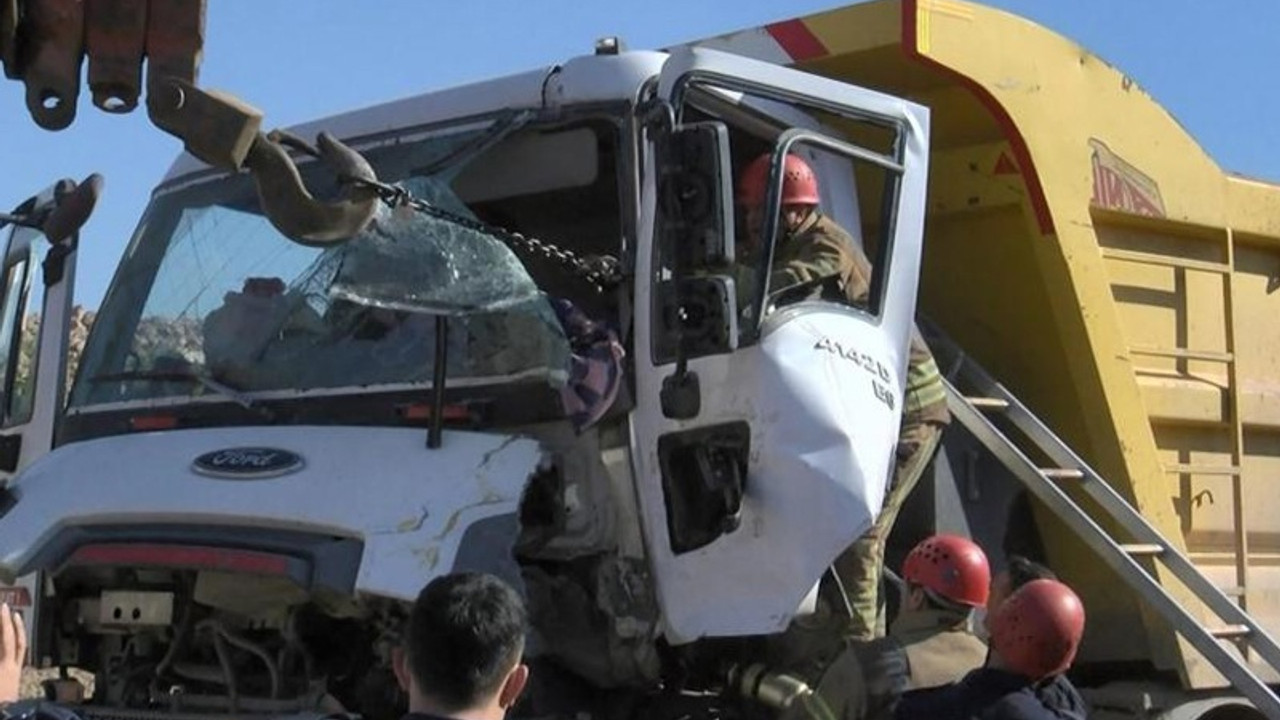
247, 463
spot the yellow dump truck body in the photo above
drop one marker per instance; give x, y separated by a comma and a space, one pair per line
1085, 249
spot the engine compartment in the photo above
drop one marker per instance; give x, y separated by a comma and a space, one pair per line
213, 642
182, 643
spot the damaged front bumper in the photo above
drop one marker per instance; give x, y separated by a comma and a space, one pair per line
415, 513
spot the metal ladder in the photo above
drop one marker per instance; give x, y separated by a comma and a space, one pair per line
1229, 359
986, 397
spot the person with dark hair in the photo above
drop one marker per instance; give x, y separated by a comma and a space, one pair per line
461, 657
1056, 691
1018, 571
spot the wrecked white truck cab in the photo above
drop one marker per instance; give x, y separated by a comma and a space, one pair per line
238, 495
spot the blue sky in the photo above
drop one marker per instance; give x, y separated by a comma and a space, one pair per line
1213, 68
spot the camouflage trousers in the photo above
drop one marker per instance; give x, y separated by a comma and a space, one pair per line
860, 566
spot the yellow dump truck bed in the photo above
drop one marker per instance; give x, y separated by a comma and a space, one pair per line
1085, 249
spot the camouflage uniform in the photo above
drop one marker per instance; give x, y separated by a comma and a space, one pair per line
821, 248
924, 649
818, 249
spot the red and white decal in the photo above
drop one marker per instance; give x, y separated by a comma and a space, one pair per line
1117, 185
783, 43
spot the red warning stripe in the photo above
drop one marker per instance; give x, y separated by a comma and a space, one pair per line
797, 41
1005, 166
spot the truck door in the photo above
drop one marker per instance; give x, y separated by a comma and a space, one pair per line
767, 409
37, 277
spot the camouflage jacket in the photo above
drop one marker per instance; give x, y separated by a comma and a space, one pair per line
821, 248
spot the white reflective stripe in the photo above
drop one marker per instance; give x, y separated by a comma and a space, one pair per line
757, 44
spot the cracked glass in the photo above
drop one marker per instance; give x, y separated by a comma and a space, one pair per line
208, 289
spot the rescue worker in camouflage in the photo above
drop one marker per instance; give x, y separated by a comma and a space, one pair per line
811, 247
929, 645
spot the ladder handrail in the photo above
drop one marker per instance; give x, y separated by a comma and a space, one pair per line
1236, 672
1141, 529
1239, 528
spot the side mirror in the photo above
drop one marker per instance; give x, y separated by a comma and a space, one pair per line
695, 234
695, 190
75, 204
698, 317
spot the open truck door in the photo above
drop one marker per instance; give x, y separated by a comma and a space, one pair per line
766, 416
35, 309
38, 278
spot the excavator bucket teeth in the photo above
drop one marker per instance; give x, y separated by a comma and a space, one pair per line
115, 36
174, 41
50, 59
9, 38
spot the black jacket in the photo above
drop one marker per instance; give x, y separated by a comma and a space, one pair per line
989, 694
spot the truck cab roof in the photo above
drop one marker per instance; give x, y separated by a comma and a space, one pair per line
583, 79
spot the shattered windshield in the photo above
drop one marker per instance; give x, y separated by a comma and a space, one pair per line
210, 295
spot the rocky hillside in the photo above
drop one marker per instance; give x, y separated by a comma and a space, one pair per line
154, 335
81, 321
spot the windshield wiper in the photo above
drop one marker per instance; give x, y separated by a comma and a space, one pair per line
234, 394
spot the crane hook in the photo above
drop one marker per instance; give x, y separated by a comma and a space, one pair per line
292, 209
224, 132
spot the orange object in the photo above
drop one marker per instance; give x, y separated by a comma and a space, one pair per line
799, 184
951, 566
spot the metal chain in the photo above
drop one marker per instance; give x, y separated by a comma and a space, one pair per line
603, 272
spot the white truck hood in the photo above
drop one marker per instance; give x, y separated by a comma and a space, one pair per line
408, 505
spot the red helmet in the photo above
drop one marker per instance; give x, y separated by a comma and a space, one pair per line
951, 566
799, 184
1037, 631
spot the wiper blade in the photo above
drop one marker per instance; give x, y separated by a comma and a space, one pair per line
234, 394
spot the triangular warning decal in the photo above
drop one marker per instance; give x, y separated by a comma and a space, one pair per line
1005, 166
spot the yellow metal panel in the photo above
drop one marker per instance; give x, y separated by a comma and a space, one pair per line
963, 180
927, 10
1174, 398
856, 28
1254, 207
1258, 304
